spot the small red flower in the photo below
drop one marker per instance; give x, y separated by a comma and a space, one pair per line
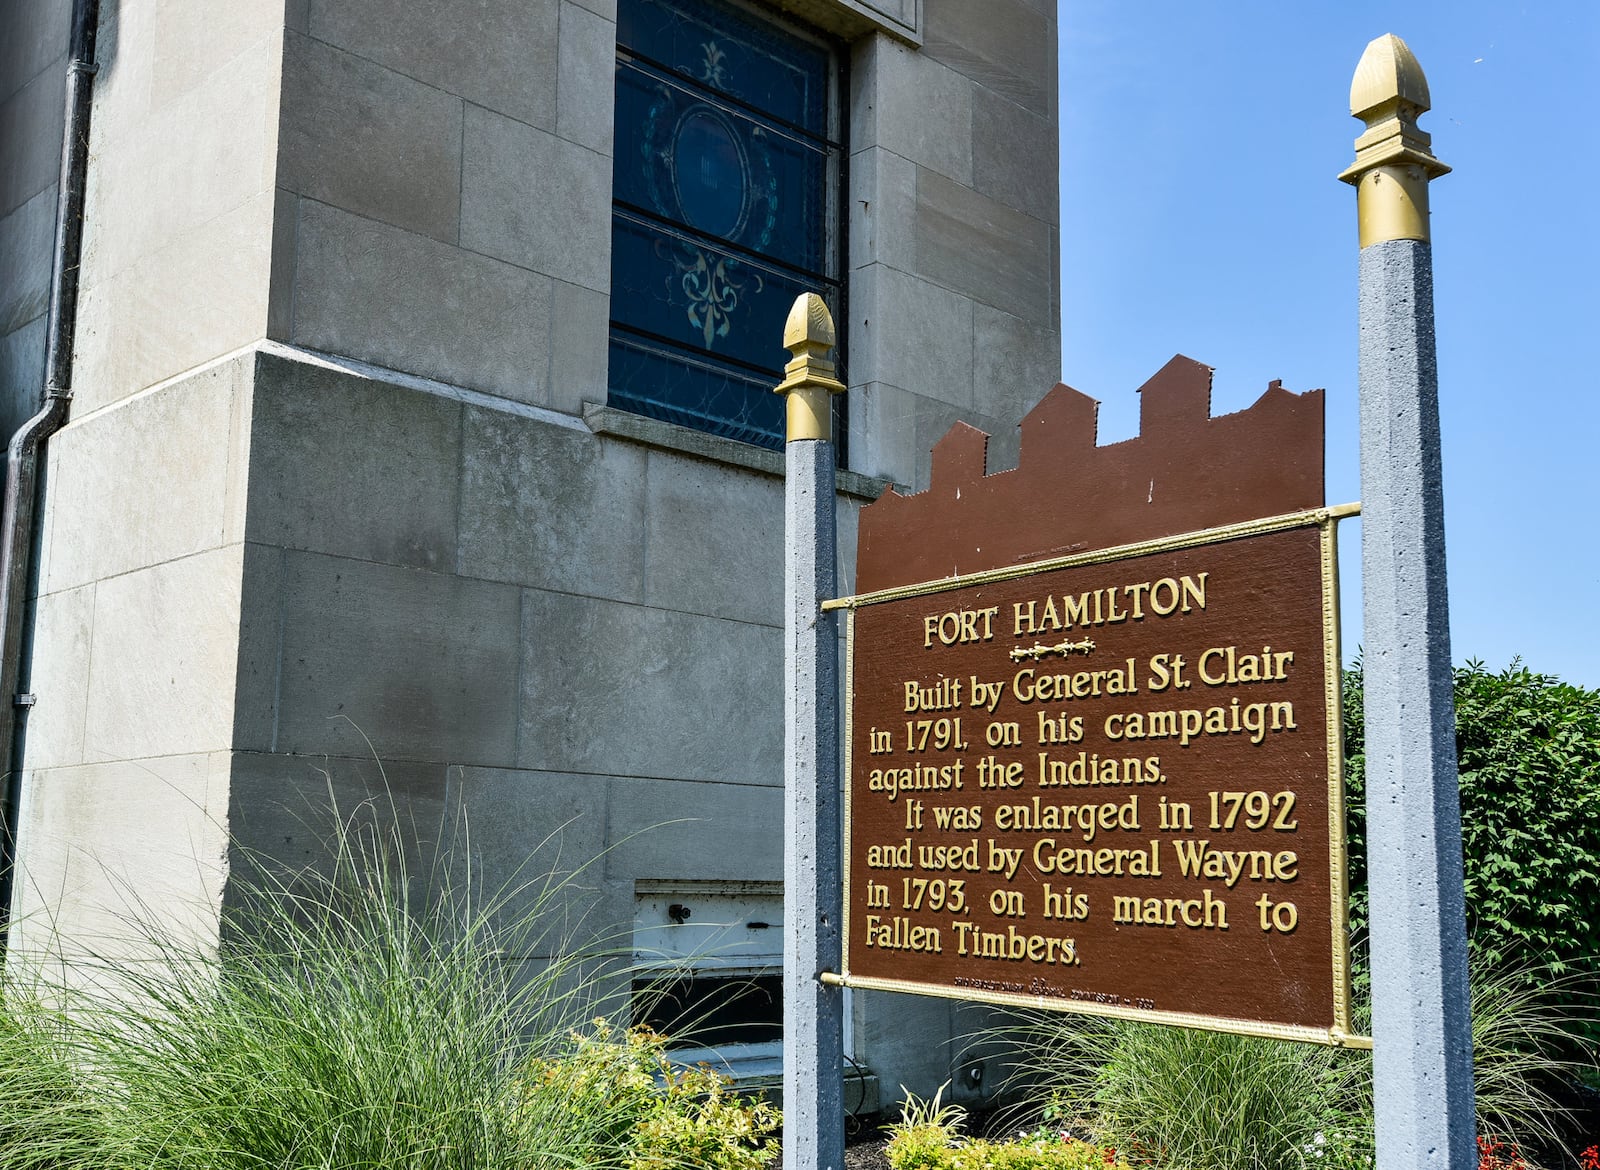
1590, 1158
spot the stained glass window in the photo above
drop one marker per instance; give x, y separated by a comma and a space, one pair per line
727, 170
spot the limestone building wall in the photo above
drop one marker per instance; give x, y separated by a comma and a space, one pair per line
32, 81
340, 500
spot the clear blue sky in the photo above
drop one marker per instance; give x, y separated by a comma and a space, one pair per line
1201, 215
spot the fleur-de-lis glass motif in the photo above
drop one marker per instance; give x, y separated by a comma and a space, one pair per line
711, 69
713, 293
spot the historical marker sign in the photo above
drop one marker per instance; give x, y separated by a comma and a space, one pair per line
1105, 781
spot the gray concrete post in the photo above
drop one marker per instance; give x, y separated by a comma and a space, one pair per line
1421, 1023
813, 1012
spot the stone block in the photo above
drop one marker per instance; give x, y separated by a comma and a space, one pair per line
551, 507
883, 201
146, 483
677, 830
847, 515
405, 664
194, 42
602, 8
36, 36
164, 650
326, 449
280, 294
22, 353
535, 200
112, 854
900, 16
30, 136
912, 105
586, 92
26, 238
894, 430
624, 690
369, 140
62, 627
579, 346
1008, 46
911, 333
258, 675
535, 843
383, 295
980, 247
1014, 156
125, 49
287, 813
202, 296
207, 152
499, 54
713, 540
1016, 364
904, 1039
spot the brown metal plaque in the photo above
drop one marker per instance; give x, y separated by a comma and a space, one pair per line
1107, 781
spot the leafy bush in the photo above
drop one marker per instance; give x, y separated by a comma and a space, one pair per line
928, 1137
1528, 752
656, 1116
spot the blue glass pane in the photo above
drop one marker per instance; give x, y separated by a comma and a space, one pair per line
692, 392
718, 169
733, 53
700, 297
722, 204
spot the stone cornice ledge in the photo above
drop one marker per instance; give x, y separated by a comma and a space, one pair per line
853, 18
636, 428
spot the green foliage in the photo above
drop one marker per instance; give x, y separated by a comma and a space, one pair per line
656, 1116
1526, 1023
1201, 1100
348, 1025
46, 1119
1528, 752
928, 1137
1195, 1100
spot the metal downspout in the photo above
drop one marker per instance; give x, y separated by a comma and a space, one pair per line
17, 519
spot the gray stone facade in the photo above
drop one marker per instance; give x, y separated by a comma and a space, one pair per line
330, 502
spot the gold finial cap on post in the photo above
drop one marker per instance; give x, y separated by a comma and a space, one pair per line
1394, 159
808, 378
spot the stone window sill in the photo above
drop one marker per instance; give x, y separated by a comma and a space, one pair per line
636, 428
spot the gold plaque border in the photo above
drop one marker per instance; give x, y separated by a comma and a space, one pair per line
1326, 521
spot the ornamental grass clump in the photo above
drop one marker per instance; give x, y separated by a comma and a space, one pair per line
1177, 1097
1185, 1099
358, 1018
46, 1119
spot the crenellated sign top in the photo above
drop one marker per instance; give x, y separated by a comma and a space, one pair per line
1184, 471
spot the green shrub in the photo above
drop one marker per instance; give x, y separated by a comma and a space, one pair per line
928, 1137
656, 1116
1528, 755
